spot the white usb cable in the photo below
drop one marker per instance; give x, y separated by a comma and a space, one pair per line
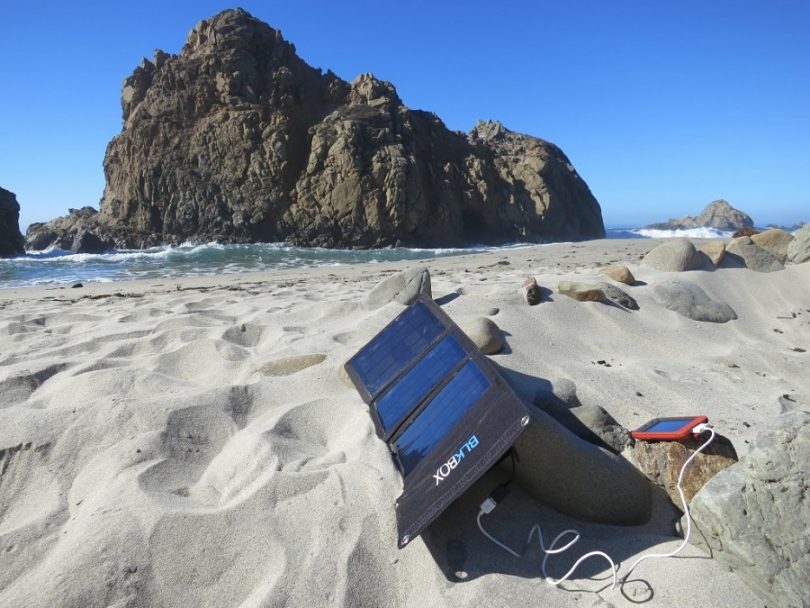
491, 502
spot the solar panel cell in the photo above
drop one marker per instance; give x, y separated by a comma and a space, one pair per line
393, 349
395, 405
440, 415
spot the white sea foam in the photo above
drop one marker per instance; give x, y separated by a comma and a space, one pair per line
690, 233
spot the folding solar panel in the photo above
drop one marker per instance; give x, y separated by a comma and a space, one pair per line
442, 408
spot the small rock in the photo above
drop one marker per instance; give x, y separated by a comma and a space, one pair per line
674, 255
744, 252
661, 462
403, 287
531, 291
582, 292
691, 301
774, 241
715, 251
618, 296
620, 273
77, 285
799, 249
485, 334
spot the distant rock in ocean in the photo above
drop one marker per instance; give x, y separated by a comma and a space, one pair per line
718, 214
11, 241
237, 139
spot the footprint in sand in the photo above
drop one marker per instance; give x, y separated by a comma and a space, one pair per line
291, 365
246, 335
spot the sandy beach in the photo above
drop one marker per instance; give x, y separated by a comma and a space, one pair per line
192, 443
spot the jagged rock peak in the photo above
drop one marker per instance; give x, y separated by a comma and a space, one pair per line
367, 89
232, 29
486, 130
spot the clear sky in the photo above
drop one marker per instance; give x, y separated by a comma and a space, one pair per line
662, 106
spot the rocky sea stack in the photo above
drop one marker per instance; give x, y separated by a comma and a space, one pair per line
11, 241
718, 214
237, 139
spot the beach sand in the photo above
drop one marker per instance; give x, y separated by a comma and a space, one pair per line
191, 442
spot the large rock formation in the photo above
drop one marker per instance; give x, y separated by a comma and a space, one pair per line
11, 241
718, 214
238, 139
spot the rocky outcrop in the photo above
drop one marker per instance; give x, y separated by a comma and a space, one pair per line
11, 241
237, 139
754, 514
718, 214
79, 231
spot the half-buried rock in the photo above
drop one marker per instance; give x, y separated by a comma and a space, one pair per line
582, 292
799, 249
578, 478
619, 296
714, 250
743, 251
485, 334
661, 462
674, 255
619, 273
403, 287
691, 301
775, 241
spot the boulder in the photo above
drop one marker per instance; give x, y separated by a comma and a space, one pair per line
718, 214
774, 241
403, 287
799, 249
754, 515
582, 292
237, 139
87, 242
485, 334
80, 231
743, 251
715, 251
579, 478
619, 296
620, 273
674, 255
11, 241
661, 462
691, 301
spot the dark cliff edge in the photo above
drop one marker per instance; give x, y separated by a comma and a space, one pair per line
11, 241
237, 139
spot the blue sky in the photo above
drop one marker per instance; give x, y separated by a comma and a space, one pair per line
661, 106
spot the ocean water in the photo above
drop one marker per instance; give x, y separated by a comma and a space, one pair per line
57, 267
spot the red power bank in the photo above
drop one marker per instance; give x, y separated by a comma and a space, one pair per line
668, 429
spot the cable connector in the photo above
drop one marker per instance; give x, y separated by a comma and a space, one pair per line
496, 496
702, 428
